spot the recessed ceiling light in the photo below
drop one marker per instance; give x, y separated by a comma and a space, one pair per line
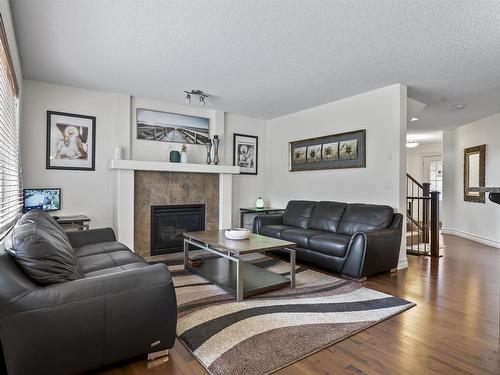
414, 119
457, 107
411, 144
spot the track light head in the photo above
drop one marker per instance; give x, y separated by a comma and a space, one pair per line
202, 100
188, 98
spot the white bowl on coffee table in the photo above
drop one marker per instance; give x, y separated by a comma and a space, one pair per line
237, 234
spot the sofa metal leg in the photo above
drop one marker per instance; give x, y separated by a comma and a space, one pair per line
158, 354
158, 358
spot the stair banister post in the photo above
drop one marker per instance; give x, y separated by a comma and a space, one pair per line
426, 192
435, 224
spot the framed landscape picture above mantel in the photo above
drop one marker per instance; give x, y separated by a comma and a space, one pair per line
343, 150
70, 141
172, 127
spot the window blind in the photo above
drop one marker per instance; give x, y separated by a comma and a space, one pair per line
11, 187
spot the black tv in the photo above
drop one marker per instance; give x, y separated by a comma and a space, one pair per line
47, 199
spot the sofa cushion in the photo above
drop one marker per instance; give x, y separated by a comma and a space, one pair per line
42, 218
298, 213
333, 244
117, 269
43, 252
299, 236
100, 248
97, 262
360, 217
273, 230
326, 216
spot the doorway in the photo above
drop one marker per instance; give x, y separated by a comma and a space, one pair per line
432, 167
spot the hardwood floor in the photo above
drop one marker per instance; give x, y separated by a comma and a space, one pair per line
454, 329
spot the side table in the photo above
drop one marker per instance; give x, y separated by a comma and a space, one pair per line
253, 210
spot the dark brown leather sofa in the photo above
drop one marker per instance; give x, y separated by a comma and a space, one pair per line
355, 240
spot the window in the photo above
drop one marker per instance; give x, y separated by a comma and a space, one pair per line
10, 161
436, 176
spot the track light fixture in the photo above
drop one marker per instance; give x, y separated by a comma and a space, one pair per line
202, 96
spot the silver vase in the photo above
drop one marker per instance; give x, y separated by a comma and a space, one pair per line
215, 142
209, 151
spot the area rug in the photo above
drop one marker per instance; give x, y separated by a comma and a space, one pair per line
270, 331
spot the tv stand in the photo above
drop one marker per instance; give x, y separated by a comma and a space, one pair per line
73, 222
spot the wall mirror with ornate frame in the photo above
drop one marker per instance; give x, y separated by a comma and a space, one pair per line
474, 172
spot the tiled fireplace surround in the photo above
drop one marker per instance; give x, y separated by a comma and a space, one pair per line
139, 184
164, 188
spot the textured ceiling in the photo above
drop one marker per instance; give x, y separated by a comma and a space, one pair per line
269, 58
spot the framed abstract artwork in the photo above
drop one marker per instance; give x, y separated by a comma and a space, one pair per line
343, 150
70, 141
245, 153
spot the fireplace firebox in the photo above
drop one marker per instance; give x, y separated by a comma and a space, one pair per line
168, 222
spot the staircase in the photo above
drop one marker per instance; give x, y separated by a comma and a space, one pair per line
422, 218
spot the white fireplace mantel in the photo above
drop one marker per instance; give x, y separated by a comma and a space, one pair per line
124, 190
145, 165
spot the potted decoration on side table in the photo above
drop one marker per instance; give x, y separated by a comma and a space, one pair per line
184, 154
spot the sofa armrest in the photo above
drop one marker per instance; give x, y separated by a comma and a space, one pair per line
372, 252
84, 324
397, 221
79, 238
260, 220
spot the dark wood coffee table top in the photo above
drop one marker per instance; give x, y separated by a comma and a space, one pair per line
255, 243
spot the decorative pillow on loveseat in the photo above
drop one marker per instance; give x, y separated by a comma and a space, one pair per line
42, 250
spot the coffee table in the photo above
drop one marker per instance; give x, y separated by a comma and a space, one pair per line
230, 271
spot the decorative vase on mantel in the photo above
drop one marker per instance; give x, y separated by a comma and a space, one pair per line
215, 143
184, 154
175, 156
209, 151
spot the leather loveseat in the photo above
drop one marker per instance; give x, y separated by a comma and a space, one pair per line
355, 240
76, 301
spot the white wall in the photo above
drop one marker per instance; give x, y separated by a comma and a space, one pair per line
378, 183
415, 158
476, 221
83, 192
382, 113
152, 150
91, 193
246, 188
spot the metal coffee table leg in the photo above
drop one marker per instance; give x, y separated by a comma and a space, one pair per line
186, 254
292, 267
239, 280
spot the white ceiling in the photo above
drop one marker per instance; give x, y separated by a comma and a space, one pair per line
266, 58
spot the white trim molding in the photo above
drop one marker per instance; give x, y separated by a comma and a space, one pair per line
402, 264
472, 237
146, 165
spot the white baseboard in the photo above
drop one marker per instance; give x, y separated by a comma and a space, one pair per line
402, 264
472, 237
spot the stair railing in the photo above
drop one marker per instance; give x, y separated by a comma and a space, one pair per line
422, 213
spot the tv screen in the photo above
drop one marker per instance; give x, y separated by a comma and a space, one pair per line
44, 199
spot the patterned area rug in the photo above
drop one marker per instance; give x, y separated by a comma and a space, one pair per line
270, 331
